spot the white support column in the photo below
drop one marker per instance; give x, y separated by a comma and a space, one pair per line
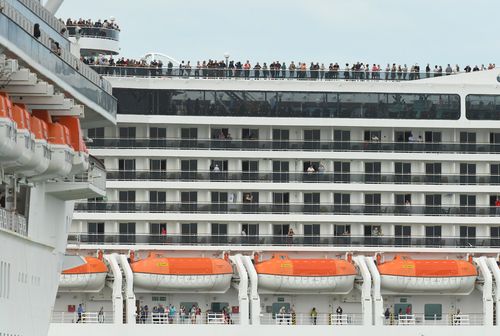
116, 286
366, 298
131, 308
242, 289
492, 263
378, 301
487, 289
254, 294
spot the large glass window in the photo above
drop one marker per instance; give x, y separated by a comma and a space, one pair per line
482, 107
288, 104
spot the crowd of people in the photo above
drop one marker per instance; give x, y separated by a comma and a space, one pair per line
108, 24
169, 314
278, 69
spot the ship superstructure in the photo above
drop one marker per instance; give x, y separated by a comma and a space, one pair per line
371, 200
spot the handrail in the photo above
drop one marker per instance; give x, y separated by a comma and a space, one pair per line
195, 72
295, 145
304, 177
382, 209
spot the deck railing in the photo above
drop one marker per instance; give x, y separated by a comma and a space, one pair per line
296, 145
86, 317
13, 222
284, 240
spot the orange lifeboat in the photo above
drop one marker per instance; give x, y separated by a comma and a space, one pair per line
88, 275
182, 275
62, 153
41, 157
440, 276
284, 275
24, 137
81, 157
8, 131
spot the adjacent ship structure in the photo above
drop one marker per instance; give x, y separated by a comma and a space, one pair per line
47, 96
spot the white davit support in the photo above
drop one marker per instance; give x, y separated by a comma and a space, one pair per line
487, 289
129, 289
378, 301
366, 289
254, 293
116, 286
492, 264
242, 288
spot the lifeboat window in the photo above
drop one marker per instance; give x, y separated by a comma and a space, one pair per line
433, 311
217, 307
189, 305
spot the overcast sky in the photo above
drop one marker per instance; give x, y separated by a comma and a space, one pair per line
374, 31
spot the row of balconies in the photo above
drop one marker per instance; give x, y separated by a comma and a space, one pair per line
289, 208
300, 177
284, 240
299, 145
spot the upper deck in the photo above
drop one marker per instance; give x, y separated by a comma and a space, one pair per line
46, 52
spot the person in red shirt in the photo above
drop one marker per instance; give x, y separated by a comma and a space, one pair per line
497, 206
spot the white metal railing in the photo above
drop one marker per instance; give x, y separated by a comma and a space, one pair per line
444, 319
87, 317
13, 222
44, 14
177, 318
308, 319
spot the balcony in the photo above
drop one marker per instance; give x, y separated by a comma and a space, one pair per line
294, 177
279, 240
94, 32
287, 208
87, 185
306, 146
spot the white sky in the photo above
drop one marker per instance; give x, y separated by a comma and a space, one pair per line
373, 31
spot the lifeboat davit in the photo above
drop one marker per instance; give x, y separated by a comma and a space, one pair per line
8, 131
25, 139
81, 157
284, 275
88, 276
405, 275
182, 275
62, 153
